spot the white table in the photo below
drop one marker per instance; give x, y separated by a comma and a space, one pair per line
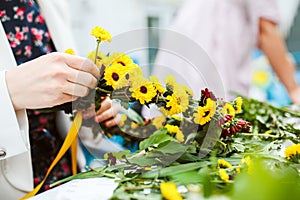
87, 189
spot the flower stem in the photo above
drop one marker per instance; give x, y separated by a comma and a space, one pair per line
102, 90
101, 173
262, 135
97, 48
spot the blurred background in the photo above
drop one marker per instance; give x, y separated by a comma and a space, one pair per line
121, 16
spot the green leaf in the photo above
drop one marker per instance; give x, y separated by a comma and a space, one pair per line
189, 177
156, 138
172, 170
119, 155
134, 116
165, 154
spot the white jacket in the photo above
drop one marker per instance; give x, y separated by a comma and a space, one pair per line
16, 177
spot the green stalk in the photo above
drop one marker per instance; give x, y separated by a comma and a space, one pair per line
97, 48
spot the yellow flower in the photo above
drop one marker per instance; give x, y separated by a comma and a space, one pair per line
228, 109
172, 128
223, 175
176, 117
179, 136
159, 121
114, 77
176, 103
247, 161
172, 106
260, 77
70, 51
169, 191
101, 34
158, 86
238, 102
170, 80
188, 90
134, 74
120, 58
134, 125
223, 164
182, 97
101, 58
123, 119
292, 150
144, 92
204, 113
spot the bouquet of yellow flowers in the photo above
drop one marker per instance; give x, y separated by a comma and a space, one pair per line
181, 114
201, 147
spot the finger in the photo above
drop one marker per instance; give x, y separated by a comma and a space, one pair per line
82, 78
82, 64
105, 105
75, 89
112, 112
114, 121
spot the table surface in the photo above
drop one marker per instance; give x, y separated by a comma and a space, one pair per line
88, 189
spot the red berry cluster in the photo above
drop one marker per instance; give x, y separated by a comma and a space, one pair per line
232, 126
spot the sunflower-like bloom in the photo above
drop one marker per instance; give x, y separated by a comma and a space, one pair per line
101, 34
223, 164
238, 102
169, 191
170, 80
101, 58
70, 51
292, 151
188, 90
158, 86
204, 113
120, 58
223, 175
133, 74
159, 121
114, 76
143, 91
182, 97
171, 128
172, 106
228, 109
179, 136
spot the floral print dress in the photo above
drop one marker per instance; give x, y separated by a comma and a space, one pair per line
29, 38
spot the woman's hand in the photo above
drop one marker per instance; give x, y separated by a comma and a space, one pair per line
50, 80
108, 113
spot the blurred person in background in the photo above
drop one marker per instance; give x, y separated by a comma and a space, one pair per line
30, 33
229, 31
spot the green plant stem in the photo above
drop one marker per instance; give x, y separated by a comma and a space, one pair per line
97, 48
102, 173
140, 188
260, 135
102, 90
222, 143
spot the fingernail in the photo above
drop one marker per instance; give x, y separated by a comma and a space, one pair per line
98, 118
108, 124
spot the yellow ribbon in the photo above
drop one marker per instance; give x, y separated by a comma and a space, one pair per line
70, 141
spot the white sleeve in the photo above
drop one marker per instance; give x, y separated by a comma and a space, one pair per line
13, 125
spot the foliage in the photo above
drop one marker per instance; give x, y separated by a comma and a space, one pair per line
204, 146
